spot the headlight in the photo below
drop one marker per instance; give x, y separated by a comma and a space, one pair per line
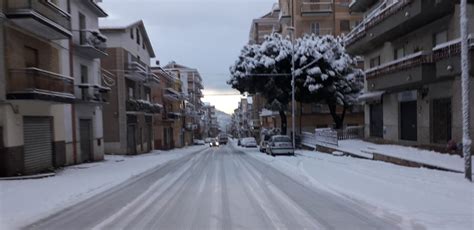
217, 143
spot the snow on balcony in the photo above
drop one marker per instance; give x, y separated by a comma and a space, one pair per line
406, 62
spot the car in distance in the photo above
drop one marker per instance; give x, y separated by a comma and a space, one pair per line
249, 142
222, 139
214, 143
198, 142
208, 139
280, 145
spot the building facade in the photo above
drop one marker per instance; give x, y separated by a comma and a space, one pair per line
128, 117
37, 86
411, 50
169, 127
191, 89
91, 83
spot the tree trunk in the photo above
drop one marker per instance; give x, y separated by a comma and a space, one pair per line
338, 120
283, 122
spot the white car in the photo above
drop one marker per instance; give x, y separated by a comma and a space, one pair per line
249, 142
198, 142
280, 145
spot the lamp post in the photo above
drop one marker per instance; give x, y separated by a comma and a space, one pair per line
293, 102
465, 91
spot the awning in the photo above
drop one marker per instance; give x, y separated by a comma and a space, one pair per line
371, 97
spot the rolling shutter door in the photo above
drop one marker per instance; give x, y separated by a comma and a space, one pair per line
38, 144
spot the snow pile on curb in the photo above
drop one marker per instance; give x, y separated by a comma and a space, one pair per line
25, 201
433, 158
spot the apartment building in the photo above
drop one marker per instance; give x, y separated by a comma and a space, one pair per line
320, 17
36, 86
210, 124
91, 83
192, 91
412, 60
265, 25
169, 130
128, 117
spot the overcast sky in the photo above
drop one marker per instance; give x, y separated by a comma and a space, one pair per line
204, 34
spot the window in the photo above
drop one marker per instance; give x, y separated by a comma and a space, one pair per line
440, 37
315, 28
31, 57
131, 34
138, 36
84, 74
399, 53
82, 27
374, 62
344, 26
130, 92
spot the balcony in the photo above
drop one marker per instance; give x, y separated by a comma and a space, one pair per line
390, 21
133, 105
37, 84
361, 5
447, 57
412, 70
136, 71
91, 44
173, 95
316, 7
91, 93
173, 115
40, 17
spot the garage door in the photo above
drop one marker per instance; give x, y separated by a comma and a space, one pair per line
38, 144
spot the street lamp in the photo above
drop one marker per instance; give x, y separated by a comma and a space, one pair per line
292, 36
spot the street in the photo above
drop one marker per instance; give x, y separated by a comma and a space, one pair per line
215, 188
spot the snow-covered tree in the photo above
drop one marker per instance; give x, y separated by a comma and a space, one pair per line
266, 69
324, 72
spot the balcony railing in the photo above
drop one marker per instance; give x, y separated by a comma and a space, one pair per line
137, 71
407, 62
91, 43
451, 48
316, 6
378, 15
143, 106
44, 7
35, 83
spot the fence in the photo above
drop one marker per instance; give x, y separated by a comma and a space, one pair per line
331, 137
354, 132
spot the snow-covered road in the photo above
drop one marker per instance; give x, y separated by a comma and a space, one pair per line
219, 188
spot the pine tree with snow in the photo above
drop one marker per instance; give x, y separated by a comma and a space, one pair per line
266, 69
325, 73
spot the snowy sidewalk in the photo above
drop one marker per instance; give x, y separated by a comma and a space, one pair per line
415, 197
425, 157
25, 201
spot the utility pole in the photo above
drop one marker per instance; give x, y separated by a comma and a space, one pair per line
466, 142
293, 101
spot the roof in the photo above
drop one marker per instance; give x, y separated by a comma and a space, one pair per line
110, 25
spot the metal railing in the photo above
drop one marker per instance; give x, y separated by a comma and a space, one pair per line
43, 7
407, 62
35, 79
378, 15
353, 132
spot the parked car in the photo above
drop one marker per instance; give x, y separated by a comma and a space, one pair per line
213, 143
222, 139
249, 142
263, 143
280, 145
198, 142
